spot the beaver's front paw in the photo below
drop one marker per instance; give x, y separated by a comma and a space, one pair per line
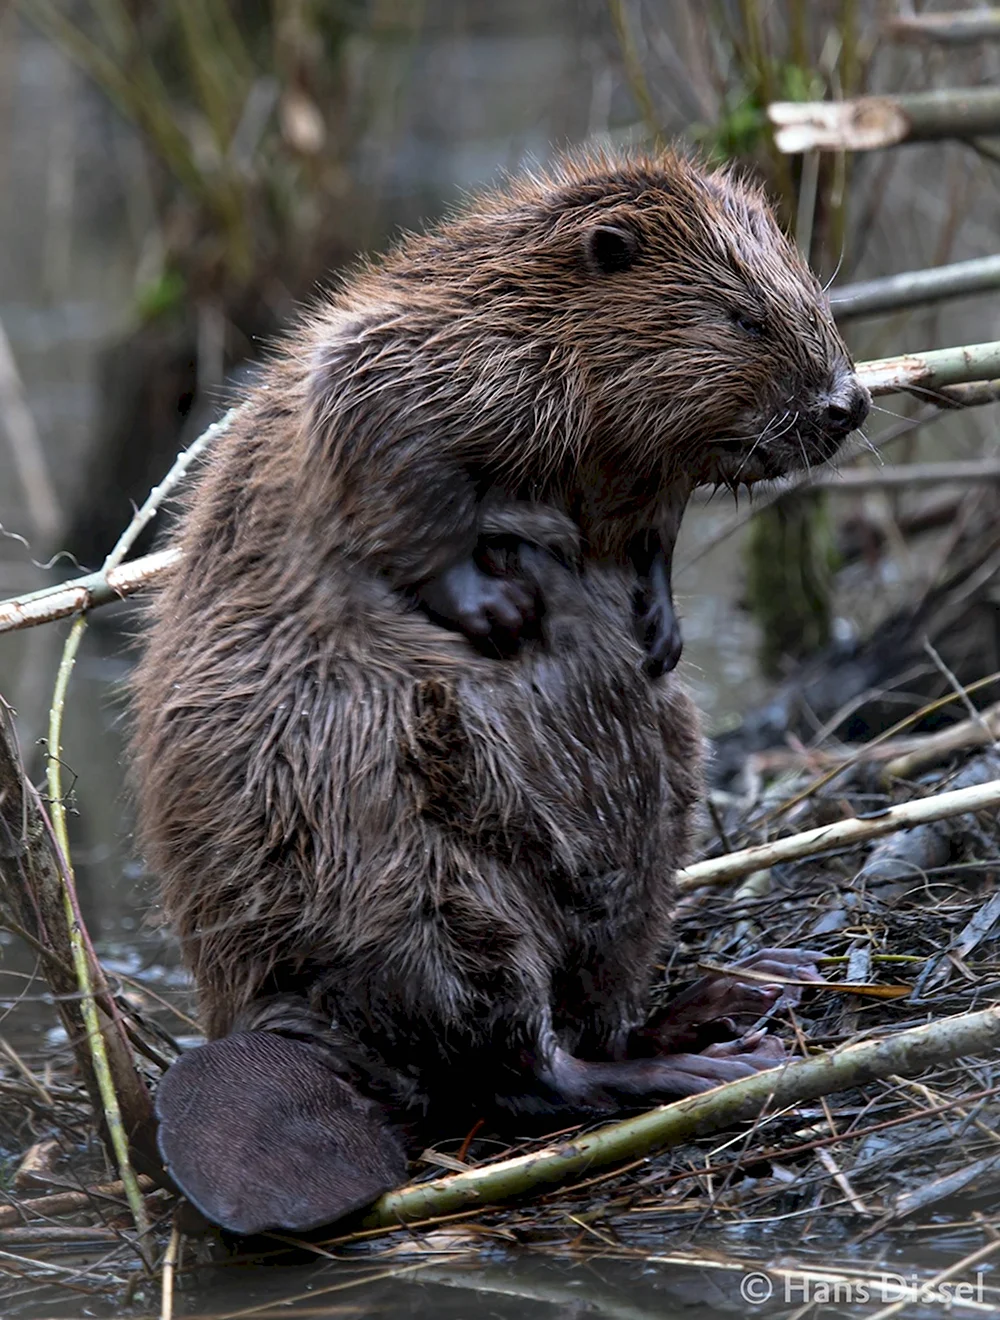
657, 625
659, 633
477, 604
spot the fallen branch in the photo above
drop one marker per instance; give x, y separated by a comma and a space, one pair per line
960, 27
863, 751
67, 1203
905, 1054
841, 834
899, 857
915, 288
870, 123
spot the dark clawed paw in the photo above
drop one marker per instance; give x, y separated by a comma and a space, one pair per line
727, 1061
660, 635
758, 1048
717, 1000
746, 999
790, 964
504, 604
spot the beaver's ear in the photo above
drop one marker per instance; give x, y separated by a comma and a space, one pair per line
610, 248
259, 1132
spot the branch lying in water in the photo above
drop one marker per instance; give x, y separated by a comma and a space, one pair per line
955, 377
905, 1054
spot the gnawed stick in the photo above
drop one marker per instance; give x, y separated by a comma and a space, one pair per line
932, 370
841, 834
906, 1054
872, 123
84, 593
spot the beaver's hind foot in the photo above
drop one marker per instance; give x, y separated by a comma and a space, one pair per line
659, 1066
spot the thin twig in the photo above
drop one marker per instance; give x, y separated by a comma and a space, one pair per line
78, 943
154, 500
81, 962
170, 1260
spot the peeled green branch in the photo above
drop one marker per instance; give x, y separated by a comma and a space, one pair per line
906, 1054
932, 370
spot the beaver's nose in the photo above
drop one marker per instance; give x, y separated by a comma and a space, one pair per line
848, 406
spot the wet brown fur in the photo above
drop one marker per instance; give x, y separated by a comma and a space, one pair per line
446, 858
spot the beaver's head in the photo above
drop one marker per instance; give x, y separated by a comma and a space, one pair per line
644, 305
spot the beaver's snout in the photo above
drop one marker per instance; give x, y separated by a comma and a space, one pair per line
847, 406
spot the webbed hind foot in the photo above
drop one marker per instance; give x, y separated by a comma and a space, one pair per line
746, 990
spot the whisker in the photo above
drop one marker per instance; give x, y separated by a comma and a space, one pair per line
870, 447
876, 407
935, 396
774, 421
840, 262
802, 450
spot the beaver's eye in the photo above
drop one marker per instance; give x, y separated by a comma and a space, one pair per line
750, 325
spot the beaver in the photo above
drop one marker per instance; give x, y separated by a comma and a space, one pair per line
411, 760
